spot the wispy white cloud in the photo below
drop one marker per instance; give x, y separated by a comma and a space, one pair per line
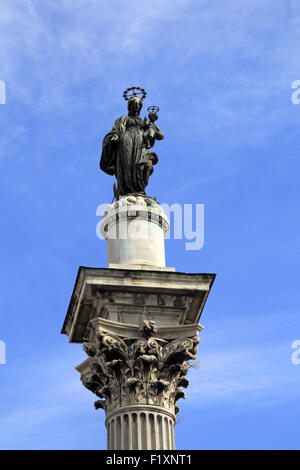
48, 395
231, 67
93, 38
246, 362
245, 376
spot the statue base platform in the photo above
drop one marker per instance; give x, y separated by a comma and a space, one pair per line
135, 228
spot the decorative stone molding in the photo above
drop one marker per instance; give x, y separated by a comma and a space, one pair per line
134, 206
139, 330
135, 370
135, 227
131, 296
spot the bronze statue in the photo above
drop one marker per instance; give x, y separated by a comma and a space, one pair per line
125, 149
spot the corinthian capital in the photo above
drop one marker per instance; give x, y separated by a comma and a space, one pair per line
142, 365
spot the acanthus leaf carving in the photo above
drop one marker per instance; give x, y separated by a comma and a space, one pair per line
139, 370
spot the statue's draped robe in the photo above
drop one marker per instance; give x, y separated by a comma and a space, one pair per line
127, 157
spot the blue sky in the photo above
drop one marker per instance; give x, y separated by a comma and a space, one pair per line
221, 73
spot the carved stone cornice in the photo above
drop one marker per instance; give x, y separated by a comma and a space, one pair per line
129, 296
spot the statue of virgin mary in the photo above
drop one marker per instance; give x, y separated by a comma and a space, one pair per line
125, 153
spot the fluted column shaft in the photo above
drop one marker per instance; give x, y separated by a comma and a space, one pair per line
140, 428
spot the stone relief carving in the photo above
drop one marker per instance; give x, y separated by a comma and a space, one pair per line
143, 370
131, 207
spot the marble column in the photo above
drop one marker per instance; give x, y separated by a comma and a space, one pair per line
138, 323
140, 428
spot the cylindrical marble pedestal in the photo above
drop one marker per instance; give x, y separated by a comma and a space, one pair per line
135, 228
142, 427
